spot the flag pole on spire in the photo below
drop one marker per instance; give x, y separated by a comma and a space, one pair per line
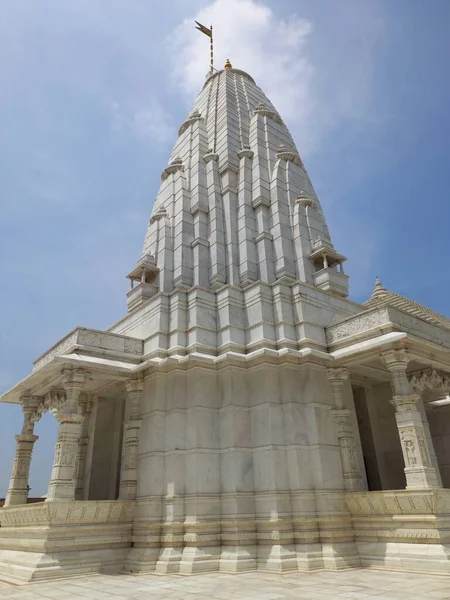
209, 32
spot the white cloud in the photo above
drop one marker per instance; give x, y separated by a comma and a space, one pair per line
318, 78
151, 123
255, 40
154, 123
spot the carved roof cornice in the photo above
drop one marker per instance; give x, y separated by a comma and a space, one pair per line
383, 297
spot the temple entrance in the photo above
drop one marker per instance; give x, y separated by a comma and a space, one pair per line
104, 456
380, 443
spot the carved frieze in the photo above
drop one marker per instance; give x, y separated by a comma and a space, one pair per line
68, 513
95, 339
399, 502
356, 325
429, 379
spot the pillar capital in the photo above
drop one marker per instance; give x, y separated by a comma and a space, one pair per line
134, 385
134, 389
31, 414
396, 360
337, 376
74, 379
29, 402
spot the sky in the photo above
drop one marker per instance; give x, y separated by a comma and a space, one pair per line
92, 95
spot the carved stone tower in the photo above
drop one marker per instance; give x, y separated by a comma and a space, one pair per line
237, 279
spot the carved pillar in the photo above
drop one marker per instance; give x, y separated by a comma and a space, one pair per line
131, 428
85, 407
344, 429
64, 473
18, 485
419, 471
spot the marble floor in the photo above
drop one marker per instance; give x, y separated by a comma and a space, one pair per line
362, 583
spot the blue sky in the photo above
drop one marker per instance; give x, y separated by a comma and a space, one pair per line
93, 93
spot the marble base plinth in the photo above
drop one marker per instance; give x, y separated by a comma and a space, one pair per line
62, 538
403, 529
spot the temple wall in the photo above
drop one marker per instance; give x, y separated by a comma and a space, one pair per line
104, 463
262, 315
239, 468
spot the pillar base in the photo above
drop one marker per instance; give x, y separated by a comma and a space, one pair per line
421, 478
238, 559
16, 497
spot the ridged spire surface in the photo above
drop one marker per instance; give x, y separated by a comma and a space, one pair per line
235, 204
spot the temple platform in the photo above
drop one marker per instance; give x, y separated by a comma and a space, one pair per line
393, 530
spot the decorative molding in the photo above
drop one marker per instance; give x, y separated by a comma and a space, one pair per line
211, 156
429, 379
68, 513
172, 168
160, 213
263, 110
399, 502
93, 339
358, 324
289, 155
194, 117
246, 152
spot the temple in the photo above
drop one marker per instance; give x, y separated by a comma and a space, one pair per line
244, 413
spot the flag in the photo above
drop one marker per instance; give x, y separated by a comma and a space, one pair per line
204, 29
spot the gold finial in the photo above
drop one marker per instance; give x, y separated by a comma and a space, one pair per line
228, 64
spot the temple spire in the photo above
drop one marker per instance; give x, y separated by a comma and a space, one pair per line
235, 192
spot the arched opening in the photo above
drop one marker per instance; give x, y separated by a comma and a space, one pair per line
42, 458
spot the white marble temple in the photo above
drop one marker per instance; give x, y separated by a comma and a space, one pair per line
243, 414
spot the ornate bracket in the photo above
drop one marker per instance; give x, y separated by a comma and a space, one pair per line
429, 379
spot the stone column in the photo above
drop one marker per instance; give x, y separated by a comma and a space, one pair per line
344, 429
85, 406
131, 428
64, 473
18, 485
419, 471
